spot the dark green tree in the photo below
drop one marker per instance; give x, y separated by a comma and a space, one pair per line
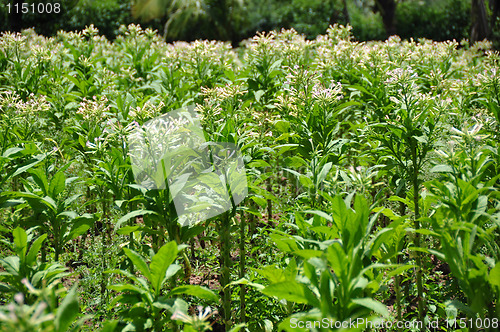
387, 9
480, 29
16, 16
215, 19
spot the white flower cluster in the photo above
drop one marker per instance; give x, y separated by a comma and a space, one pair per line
94, 110
12, 104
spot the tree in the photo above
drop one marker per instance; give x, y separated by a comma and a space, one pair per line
16, 16
336, 17
387, 9
482, 26
480, 29
215, 18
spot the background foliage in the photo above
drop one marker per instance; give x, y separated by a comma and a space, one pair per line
437, 20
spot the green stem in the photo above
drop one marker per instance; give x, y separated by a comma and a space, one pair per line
398, 277
420, 298
269, 202
242, 271
225, 248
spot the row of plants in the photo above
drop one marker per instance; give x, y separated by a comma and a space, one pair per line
372, 171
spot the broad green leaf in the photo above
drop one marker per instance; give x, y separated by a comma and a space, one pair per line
35, 248
131, 215
160, 263
40, 179
373, 305
29, 164
12, 151
258, 94
80, 225
258, 163
110, 326
337, 258
194, 290
271, 273
292, 291
172, 270
127, 288
441, 169
11, 264
494, 276
320, 214
57, 184
138, 262
67, 311
128, 229
20, 241
244, 281
308, 253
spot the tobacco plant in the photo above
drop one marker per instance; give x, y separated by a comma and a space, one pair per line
466, 222
51, 208
333, 279
407, 135
25, 268
144, 305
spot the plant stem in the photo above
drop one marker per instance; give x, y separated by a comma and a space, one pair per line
269, 202
225, 262
398, 277
242, 271
420, 299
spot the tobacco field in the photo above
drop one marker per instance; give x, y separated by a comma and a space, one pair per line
372, 173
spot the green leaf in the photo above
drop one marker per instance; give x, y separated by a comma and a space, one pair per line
35, 248
292, 291
40, 179
172, 270
57, 184
262, 202
399, 270
128, 288
128, 229
373, 305
160, 263
494, 276
71, 199
27, 165
138, 262
110, 326
238, 327
131, 215
67, 312
460, 306
337, 258
11, 264
442, 169
258, 95
308, 253
80, 225
320, 214
194, 290
20, 241
258, 163
244, 281
12, 152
